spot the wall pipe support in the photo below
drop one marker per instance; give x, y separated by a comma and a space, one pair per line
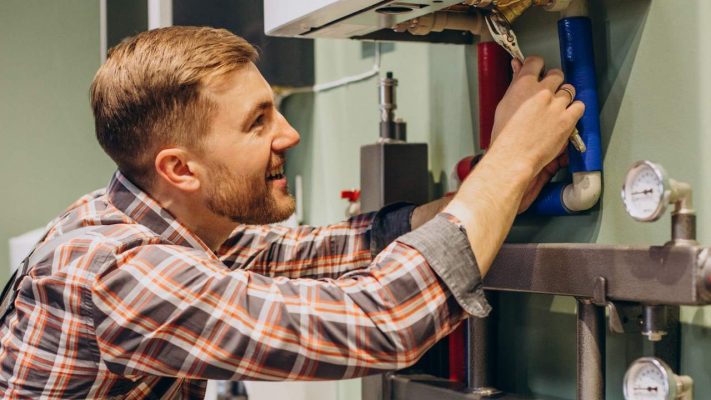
479, 377
591, 351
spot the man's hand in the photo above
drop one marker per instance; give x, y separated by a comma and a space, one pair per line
532, 125
529, 94
561, 161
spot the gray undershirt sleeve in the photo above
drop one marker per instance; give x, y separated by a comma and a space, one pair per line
391, 222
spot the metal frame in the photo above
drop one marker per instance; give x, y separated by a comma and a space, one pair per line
651, 275
597, 276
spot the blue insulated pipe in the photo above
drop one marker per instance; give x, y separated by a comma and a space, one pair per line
550, 201
578, 62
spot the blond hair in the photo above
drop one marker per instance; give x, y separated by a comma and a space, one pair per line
149, 94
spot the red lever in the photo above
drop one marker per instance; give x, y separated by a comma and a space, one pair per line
351, 195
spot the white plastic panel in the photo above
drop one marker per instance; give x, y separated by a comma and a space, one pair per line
341, 18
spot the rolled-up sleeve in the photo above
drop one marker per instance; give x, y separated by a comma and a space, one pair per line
444, 244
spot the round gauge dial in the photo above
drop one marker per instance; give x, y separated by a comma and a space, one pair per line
649, 379
646, 191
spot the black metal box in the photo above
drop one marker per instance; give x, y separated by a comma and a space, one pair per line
392, 172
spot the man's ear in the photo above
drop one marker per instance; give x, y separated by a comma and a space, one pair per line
176, 168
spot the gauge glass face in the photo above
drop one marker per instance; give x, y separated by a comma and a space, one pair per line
646, 381
643, 193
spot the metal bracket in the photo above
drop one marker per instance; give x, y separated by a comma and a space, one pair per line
623, 317
600, 292
600, 299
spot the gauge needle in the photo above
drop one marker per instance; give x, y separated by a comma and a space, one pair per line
647, 389
647, 191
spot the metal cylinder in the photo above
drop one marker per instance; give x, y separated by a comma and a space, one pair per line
654, 323
477, 352
683, 227
400, 132
388, 104
590, 351
480, 345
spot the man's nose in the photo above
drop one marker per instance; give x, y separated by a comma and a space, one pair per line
286, 136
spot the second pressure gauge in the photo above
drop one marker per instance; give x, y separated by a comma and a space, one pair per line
650, 378
646, 191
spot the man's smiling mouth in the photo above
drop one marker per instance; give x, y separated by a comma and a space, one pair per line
276, 173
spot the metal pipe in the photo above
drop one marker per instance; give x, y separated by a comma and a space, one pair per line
654, 322
477, 348
683, 228
480, 354
683, 222
388, 104
591, 351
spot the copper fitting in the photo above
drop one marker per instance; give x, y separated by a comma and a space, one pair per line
512, 9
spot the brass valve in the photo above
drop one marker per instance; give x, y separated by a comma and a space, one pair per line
512, 9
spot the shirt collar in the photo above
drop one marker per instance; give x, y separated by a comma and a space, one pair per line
140, 207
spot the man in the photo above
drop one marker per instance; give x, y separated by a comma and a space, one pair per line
168, 277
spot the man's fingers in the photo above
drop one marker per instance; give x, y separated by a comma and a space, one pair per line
565, 94
553, 79
532, 66
576, 110
515, 66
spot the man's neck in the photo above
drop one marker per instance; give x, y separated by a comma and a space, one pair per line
212, 229
212, 232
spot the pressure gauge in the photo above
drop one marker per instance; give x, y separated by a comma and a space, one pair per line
650, 378
646, 191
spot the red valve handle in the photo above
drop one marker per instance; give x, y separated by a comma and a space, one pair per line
351, 195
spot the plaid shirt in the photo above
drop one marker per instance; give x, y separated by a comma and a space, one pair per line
136, 306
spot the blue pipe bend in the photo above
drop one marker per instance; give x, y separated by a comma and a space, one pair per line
550, 201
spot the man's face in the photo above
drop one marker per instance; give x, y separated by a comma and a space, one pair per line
244, 152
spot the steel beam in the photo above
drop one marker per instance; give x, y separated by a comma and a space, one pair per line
652, 275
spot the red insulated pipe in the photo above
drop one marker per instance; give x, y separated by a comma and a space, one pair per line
457, 358
494, 79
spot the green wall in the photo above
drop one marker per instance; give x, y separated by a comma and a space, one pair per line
654, 105
49, 52
651, 57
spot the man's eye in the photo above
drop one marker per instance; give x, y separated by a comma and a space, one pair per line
258, 122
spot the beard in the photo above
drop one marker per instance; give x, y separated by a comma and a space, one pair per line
246, 199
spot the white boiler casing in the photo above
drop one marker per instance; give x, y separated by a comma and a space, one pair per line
342, 18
